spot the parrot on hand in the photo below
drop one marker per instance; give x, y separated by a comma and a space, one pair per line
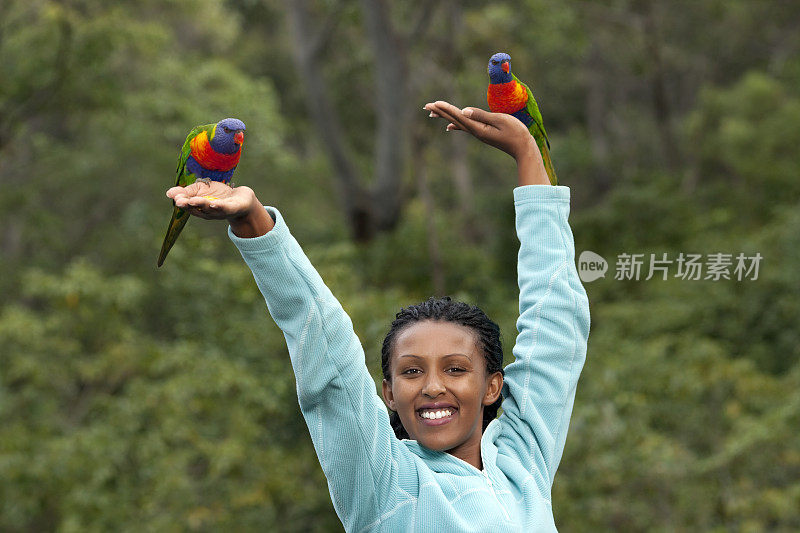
210, 153
506, 94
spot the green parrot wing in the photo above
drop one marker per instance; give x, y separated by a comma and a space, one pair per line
181, 177
179, 216
533, 110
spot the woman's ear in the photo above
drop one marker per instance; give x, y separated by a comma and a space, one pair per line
495, 385
388, 395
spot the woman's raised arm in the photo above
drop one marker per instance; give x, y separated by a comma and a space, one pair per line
348, 422
540, 384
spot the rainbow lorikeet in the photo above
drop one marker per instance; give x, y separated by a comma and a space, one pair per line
210, 153
506, 94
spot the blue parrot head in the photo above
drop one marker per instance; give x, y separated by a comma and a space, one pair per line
500, 68
228, 136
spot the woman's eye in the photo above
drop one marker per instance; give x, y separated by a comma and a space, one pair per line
456, 369
411, 371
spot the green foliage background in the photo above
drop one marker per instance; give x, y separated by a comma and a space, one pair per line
135, 399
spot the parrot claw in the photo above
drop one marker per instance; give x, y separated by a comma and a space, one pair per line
207, 181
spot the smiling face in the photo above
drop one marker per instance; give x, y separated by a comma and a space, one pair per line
439, 387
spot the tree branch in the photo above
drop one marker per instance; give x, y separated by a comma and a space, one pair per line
422, 23
391, 112
352, 197
324, 35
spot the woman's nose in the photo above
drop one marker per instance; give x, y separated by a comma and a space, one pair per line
433, 386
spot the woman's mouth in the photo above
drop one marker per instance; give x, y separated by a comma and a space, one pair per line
436, 416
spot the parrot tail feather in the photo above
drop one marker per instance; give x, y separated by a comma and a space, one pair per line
548, 165
176, 224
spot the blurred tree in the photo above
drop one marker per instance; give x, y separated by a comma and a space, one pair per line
376, 208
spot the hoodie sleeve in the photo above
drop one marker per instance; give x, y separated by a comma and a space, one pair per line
553, 326
349, 424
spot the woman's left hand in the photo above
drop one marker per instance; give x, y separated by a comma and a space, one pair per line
500, 130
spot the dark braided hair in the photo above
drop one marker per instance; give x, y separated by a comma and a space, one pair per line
446, 310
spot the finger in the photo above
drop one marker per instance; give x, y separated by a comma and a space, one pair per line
185, 201
222, 207
199, 202
439, 103
180, 195
457, 117
452, 127
173, 192
480, 115
429, 107
446, 110
194, 211
208, 212
498, 122
181, 201
451, 115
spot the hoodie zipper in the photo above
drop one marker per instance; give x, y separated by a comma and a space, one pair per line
497, 499
488, 482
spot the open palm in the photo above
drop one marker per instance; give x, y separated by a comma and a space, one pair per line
213, 200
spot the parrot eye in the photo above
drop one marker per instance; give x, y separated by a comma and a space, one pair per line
227, 130
495, 62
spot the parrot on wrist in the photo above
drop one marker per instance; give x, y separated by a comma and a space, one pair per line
210, 153
506, 94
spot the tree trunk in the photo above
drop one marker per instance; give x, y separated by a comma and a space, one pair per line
462, 177
374, 209
658, 84
597, 104
391, 110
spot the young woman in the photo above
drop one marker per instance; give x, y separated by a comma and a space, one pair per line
442, 461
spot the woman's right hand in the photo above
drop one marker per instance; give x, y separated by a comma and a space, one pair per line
217, 201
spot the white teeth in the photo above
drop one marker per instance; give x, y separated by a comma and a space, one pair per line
433, 415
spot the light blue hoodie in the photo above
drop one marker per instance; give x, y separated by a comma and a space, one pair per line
380, 483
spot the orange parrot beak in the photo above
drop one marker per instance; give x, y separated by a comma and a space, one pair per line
505, 67
238, 137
